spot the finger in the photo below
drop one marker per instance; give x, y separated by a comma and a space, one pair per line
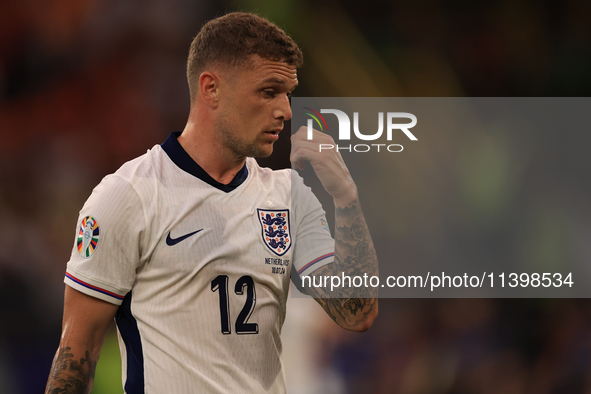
317, 136
304, 150
298, 165
320, 140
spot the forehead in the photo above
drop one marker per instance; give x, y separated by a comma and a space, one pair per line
260, 70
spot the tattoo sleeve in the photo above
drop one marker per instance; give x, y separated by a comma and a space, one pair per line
70, 375
354, 256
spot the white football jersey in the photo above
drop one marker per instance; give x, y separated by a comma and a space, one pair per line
200, 270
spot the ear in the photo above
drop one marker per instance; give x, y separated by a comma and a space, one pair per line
209, 88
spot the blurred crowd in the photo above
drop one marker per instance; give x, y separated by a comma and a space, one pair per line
86, 85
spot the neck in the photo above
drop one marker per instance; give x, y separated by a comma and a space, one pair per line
200, 142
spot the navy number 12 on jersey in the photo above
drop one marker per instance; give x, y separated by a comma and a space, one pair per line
242, 326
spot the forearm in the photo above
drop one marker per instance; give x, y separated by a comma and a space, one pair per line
72, 370
353, 308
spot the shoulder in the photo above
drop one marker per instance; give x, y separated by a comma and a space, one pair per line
142, 167
133, 183
256, 169
285, 175
287, 178
286, 181
267, 176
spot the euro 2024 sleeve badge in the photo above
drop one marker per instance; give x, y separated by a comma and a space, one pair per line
275, 229
88, 237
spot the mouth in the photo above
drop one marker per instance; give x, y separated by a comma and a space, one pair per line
274, 134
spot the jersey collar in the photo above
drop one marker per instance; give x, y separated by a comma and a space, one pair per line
181, 158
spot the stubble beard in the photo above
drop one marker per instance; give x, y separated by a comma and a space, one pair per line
239, 146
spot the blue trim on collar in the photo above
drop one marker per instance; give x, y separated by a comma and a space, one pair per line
181, 158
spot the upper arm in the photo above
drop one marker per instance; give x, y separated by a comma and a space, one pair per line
86, 319
314, 246
104, 258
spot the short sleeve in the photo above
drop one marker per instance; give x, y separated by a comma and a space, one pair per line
108, 240
314, 246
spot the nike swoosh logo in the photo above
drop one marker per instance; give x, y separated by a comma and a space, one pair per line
173, 241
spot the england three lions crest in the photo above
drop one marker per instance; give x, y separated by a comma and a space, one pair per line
275, 229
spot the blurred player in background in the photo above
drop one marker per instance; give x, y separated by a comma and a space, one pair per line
190, 246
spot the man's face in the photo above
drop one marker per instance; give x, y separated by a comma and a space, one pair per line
254, 103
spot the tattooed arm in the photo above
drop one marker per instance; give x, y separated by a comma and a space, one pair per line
353, 308
86, 321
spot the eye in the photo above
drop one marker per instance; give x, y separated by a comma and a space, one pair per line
269, 92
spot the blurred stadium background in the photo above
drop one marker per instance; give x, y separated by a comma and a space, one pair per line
86, 85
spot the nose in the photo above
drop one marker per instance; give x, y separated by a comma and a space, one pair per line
283, 110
